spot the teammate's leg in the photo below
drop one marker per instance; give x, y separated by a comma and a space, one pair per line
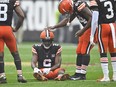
103, 36
11, 44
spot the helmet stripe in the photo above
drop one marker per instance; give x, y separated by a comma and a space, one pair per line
47, 34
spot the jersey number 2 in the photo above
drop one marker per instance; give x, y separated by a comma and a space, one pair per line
3, 12
47, 63
109, 9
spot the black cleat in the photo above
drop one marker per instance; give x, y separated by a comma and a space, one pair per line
3, 80
21, 79
78, 76
83, 77
75, 76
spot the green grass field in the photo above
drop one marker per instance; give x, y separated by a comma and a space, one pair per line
68, 62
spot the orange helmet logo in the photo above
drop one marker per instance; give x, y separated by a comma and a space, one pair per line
47, 34
65, 6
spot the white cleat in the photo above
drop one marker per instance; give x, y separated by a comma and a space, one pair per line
103, 80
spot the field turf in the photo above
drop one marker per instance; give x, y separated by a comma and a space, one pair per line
68, 62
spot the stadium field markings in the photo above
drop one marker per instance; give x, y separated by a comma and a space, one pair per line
63, 64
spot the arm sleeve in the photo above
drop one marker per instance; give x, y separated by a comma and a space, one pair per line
94, 23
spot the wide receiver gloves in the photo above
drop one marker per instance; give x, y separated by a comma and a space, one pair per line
44, 71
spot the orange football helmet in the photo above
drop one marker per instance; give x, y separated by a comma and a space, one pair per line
47, 34
47, 37
65, 6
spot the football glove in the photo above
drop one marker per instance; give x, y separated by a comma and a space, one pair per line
36, 70
46, 70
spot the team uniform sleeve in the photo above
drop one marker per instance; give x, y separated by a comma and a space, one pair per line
59, 50
81, 5
34, 49
94, 22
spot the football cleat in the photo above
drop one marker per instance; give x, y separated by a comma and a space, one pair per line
3, 79
78, 76
62, 78
21, 79
104, 80
40, 77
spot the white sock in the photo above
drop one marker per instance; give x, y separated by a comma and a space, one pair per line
83, 71
105, 70
78, 71
2, 75
114, 68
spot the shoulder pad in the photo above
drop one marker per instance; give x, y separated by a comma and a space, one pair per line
36, 45
80, 5
56, 45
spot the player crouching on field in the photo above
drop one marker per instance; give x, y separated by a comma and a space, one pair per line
48, 58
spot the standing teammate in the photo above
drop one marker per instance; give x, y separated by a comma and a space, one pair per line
6, 36
107, 36
46, 59
80, 10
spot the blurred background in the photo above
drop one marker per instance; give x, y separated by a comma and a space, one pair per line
40, 14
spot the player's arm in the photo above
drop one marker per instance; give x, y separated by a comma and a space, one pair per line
34, 58
34, 61
88, 15
21, 17
65, 22
60, 24
94, 25
57, 60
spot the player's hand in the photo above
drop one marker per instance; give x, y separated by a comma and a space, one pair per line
51, 28
46, 70
14, 30
36, 70
17, 3
91, 40
79, 33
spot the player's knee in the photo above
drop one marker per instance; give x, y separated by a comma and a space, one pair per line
61, 71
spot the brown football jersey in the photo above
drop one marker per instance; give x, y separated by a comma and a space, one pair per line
6, 12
